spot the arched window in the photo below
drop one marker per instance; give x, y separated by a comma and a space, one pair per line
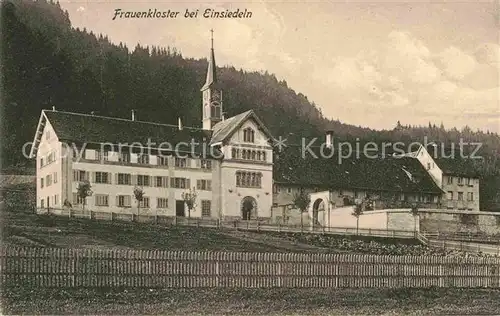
248, 135
233, 153
264, 155
244, 154
258, 155
253, 154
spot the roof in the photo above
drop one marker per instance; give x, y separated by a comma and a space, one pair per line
93, 129
453, 161
293, 165
225, 129
211, 71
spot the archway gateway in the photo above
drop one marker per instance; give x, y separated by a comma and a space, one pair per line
248, 208
318, 206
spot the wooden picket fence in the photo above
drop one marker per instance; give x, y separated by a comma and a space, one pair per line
70, 268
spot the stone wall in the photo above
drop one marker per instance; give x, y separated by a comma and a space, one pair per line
447, 221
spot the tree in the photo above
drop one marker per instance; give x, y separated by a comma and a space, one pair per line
84, 190
414, 211
139, 196
301, 200
190, 199
358, 211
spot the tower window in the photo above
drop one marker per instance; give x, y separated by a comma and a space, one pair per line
248, 135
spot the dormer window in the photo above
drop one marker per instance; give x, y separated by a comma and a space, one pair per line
248, 135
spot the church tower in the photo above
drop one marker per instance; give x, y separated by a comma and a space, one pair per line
212, 95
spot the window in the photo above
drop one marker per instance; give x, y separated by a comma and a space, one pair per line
143, 159
450, 195
460, 196
41, 162
124, 157
460, 181
143, 180
144, 203
161, 182
56, 199
102, 177
41, 183
206, 207
123, 200
235, 153
161, 203
102, 155
341, 193
179, 183
124, 179
77, 200
428, 166
206, 164
470, 196
42, 203
248, 135
161, 161
180, 162
204, 185
55, 177
289, 190
402, 197
248, 179
48, 180
47, 135
51, 158
469, 182
450, 180
80, 175
101, 200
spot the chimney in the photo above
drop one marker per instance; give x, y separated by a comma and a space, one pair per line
133, 115
180, 124
53, 108
329, 139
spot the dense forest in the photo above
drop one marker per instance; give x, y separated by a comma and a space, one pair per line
46, 62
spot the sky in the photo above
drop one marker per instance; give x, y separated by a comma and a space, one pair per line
363, 62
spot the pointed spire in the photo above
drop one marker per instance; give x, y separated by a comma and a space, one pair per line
212, 68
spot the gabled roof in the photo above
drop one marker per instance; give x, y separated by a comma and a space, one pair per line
93, 129
453, 161
225, 129
392, 174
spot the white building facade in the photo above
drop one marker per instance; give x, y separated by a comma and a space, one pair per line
230, 169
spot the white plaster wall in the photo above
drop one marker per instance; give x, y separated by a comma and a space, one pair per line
52, 145
152, 192
430, 165
342, 217
233, 195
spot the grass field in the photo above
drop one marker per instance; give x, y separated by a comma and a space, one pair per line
255, 302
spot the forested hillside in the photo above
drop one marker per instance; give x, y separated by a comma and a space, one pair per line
46, 62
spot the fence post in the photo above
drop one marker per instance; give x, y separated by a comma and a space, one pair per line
69, 212
258, 225
279, 227
92, 214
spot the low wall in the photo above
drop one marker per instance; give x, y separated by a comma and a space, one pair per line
448, 221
